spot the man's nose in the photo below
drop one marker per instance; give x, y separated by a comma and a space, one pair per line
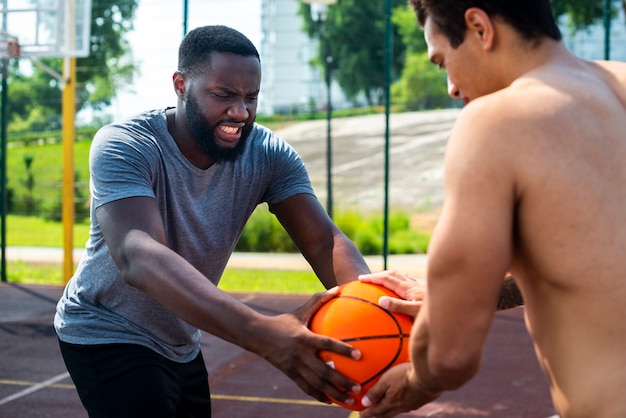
453, 90
238, 110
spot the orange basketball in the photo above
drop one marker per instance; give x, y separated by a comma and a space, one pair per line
355, 317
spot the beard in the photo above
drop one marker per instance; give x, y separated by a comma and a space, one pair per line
204, 134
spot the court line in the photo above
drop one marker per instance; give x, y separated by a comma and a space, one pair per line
50, 383
25, 383
267, 400
34, 388
353, 414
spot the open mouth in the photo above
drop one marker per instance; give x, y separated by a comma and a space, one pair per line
228, 133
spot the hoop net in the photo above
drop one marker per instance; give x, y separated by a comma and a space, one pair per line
9, 46
45, 28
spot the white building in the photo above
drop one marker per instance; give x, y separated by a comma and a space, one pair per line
289, 82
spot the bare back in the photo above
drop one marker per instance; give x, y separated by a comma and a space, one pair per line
570, 236
535, 185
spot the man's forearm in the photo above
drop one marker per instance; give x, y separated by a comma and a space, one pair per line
510, 295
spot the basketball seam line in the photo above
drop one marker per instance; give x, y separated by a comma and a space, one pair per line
375, 337
402, 337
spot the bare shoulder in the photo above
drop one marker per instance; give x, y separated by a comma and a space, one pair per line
497, 119
614, 75
616, 68
556, 106
498, 137
484, 141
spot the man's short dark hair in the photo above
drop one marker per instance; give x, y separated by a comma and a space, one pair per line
533, 19
194, 53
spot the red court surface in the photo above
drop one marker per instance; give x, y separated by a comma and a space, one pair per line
34, 381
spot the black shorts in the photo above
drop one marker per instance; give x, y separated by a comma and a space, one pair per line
126, 380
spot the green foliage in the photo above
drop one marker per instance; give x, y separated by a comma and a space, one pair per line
367, 233
233, 280
36, 188
35, 119
38, 184
410, 32
353, 34
580, 13
36, 138
29, 183
53, 210
422, 85
263, 233
35, 103
409, 242
109, 65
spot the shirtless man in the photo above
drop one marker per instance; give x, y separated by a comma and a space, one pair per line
535, 185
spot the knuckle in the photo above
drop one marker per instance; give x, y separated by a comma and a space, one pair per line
326, 374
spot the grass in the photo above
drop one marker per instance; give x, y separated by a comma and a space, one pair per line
33, 231
27, 273
270, 281
233, 280
42, 180
46, 169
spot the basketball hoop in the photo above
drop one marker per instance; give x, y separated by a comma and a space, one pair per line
45, 28
9, 46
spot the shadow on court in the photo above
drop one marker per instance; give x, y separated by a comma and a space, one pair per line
34, 381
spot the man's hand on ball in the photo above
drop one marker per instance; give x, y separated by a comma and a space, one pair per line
290, 346
407, 287
397, 391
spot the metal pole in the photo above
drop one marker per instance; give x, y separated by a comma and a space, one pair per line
69, 137
329, 150
3, 167
318, 14
185, 16
3, 156
607, 29
388, 58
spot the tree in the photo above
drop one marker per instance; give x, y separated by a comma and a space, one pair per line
581, 13
36, 98
422, 85
355, 31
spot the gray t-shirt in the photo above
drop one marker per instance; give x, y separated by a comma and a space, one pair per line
204, 213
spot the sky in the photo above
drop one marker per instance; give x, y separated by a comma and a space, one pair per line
158, 30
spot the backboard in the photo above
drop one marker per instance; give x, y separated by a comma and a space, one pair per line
45, 28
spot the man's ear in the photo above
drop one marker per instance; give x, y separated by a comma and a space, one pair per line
179, 84
479, 24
